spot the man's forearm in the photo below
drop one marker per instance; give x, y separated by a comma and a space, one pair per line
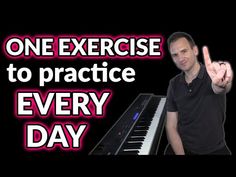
176, 142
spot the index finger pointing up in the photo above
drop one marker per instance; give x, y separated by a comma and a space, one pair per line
206, 56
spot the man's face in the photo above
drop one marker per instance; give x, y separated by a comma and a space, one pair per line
182, 54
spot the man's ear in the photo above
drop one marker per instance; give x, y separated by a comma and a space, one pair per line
195, 50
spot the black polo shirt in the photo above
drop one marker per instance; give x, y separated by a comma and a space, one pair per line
201, 112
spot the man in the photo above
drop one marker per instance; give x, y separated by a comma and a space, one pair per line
196, 100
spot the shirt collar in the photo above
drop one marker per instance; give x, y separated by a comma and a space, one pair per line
200, 74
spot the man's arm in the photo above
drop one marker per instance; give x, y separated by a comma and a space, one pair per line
172, 133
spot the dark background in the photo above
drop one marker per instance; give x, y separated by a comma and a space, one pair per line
152, 76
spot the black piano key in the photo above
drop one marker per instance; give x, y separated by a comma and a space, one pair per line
140, 127
135, 138
132, 145
139, 133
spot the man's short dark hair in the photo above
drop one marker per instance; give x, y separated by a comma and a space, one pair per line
177, 35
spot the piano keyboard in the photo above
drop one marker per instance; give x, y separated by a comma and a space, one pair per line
138, 130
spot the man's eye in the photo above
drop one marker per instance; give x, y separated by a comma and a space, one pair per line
174, 55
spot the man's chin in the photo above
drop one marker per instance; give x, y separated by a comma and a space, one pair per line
183, 68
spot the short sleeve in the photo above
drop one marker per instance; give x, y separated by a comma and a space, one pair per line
170, 101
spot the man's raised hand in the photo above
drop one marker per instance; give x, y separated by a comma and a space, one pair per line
220, 72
